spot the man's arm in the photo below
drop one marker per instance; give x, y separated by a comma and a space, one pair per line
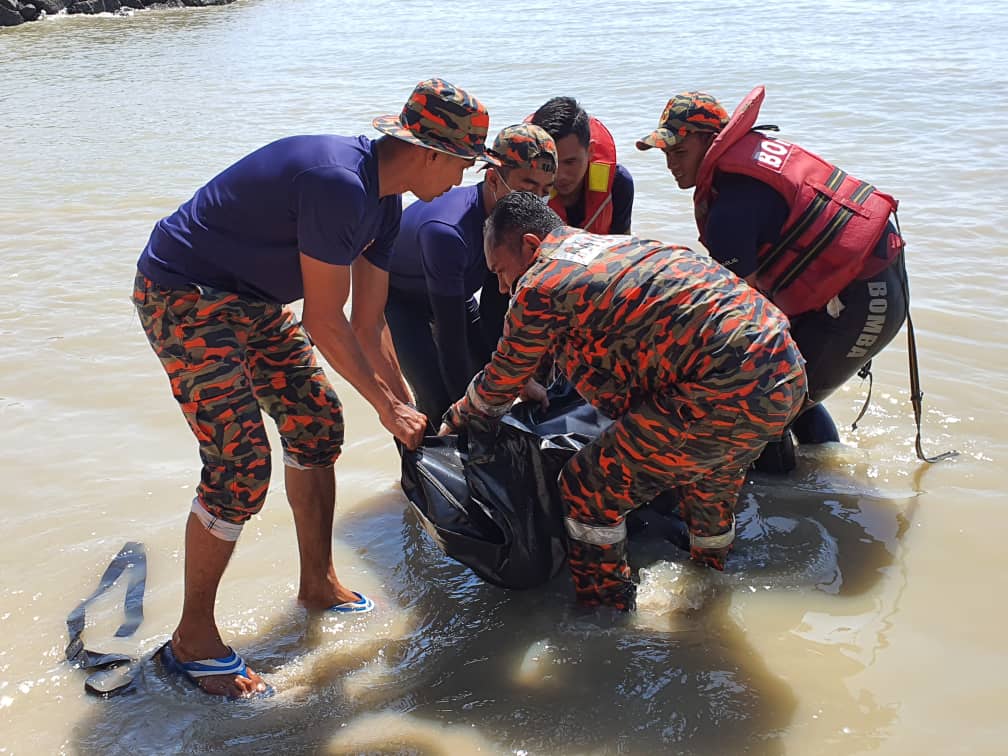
532, 325
452, 336
367, 319
445, 255
326, 289
622, 200
747, 215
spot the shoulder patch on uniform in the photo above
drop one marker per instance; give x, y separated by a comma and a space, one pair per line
580, 248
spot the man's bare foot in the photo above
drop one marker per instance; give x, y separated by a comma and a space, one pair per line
230, 686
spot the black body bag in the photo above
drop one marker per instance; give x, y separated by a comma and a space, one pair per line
489, 496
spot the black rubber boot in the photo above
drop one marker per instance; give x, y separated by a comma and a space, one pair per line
815, 426
778, 458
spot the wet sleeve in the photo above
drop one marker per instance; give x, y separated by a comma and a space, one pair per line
330, 203
379, 254
622, 197
443, 255
451, 334
533, 323
492, 310
747, 215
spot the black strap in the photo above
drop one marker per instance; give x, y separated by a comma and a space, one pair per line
825, 237
864, 372
803, 221
132, 558
916, 395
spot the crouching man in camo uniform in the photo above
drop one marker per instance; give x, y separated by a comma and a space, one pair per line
696, 368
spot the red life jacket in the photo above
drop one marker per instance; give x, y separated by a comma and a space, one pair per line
599, 179
834, 220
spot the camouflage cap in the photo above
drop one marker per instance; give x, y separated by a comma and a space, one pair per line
523, 145
685, 113
441, 117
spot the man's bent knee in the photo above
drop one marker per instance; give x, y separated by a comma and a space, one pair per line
233, 490
311, 429
321, 452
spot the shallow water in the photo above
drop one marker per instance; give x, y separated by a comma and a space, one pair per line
862, 611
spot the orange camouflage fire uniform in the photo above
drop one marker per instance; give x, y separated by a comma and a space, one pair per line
696, 368
227, 356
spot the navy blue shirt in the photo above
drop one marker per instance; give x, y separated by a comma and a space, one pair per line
440, 245
746, 215
243, 231
622, 204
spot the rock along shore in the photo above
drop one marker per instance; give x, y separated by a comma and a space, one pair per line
14, 12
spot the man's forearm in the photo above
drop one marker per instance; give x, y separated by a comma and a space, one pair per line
379, 350
452, 330
338, 344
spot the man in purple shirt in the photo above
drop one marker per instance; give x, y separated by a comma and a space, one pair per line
442, 336
301, 218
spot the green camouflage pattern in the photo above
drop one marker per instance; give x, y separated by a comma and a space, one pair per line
441, 117
686, 113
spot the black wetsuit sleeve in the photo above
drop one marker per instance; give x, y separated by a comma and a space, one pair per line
746, 215
451, 319
622, 200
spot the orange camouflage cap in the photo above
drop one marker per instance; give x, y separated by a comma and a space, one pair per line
685, 113
442, 117
523, 145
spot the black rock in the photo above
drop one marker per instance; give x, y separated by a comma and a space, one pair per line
13, 5
132, 3
29, 12
95, 6
10, 17
205, 3
51, 7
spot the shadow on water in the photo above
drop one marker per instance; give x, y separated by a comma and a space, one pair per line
450, 664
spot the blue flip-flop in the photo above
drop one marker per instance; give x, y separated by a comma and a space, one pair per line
192, 671
363, 604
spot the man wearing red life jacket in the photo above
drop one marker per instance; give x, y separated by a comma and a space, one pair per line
592, 191
818, 242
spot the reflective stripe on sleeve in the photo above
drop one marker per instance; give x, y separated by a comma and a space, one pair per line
482, 407
720, 541
600, 535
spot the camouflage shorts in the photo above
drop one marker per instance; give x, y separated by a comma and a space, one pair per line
226, 357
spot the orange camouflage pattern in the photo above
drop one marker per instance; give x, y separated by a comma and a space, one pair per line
697, 369
523, 145
685, 113
442, 117
227, 358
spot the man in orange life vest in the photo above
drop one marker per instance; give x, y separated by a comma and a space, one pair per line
818, 242
592, 191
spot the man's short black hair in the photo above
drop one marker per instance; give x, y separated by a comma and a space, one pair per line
563, 116
519, 213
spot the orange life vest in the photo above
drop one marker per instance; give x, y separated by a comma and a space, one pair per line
599, 180
834, 220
